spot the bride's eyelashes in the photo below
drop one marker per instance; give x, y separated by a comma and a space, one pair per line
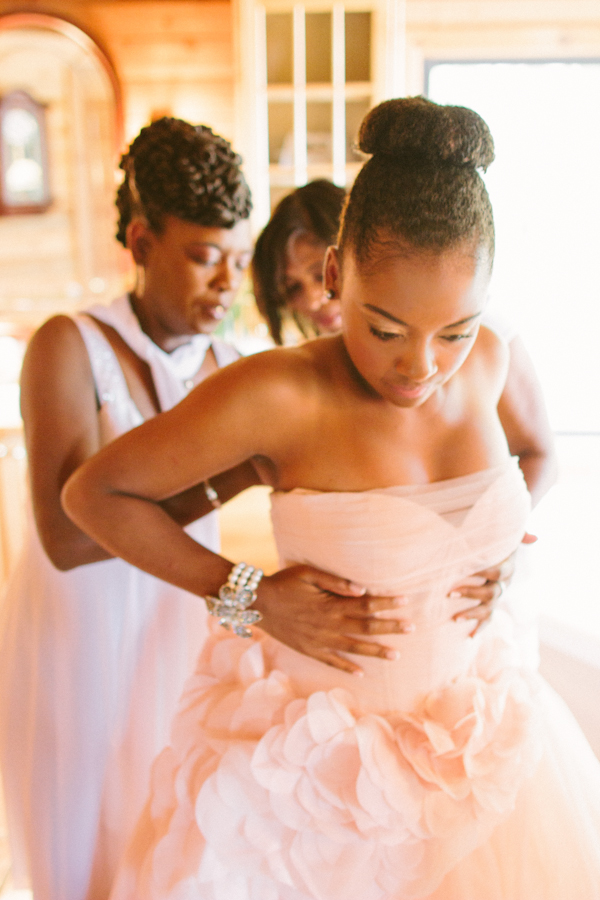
383, 335
390, 335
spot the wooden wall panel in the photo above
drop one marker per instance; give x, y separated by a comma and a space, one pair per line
173, 56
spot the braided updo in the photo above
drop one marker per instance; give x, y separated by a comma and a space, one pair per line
174, 168
421, 185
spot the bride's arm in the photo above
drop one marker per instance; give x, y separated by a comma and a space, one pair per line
228, 419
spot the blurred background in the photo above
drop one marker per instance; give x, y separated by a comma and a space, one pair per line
288, 83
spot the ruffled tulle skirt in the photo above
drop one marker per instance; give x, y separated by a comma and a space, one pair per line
486, 791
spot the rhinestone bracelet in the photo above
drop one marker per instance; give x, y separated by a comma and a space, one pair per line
235, 596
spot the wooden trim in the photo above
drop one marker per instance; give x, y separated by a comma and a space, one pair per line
300, 136
338, 65
45, 22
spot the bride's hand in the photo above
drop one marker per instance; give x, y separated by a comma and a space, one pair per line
324, 616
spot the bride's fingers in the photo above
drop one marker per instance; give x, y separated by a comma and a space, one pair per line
339, 662
332, 584
367, 606
377, 626
333, 656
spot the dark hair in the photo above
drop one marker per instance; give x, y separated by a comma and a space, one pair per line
174, 168
421, 184
313, 209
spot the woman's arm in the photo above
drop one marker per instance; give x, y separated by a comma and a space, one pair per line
194, 503
227, 420
523, 415
58, 405
59, 409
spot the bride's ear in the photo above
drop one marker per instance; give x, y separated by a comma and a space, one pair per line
331, 273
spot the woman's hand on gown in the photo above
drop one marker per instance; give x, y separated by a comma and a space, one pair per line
324, 616
486, 588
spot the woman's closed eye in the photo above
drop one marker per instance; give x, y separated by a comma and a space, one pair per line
243, 261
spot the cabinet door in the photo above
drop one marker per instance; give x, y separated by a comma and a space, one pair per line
309, 73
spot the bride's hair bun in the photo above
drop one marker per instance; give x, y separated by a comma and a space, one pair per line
415, 128
421, 186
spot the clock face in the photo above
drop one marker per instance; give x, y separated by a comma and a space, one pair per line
24, 182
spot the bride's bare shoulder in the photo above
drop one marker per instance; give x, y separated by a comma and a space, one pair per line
285, 382
300, 367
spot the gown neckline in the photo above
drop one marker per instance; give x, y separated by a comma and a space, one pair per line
456, 481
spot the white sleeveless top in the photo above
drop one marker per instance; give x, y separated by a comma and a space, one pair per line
92, 663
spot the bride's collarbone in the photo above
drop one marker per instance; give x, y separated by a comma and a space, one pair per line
359, 451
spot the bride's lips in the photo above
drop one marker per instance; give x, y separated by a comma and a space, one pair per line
411, 391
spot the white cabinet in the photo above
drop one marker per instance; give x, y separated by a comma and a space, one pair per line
307, 74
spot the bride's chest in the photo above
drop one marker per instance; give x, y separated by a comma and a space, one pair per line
340, 451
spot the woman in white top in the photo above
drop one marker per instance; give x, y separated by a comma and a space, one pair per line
82, 633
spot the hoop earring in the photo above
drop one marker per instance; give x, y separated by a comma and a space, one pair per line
330, 294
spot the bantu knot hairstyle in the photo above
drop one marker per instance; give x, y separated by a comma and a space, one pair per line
174, 168
421, 184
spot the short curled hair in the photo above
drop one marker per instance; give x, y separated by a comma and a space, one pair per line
313, 210
174, 168
421, 185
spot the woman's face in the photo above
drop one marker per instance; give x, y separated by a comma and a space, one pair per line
191, 276
410, 318
303, 284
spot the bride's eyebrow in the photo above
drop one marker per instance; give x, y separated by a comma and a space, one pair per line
387, 315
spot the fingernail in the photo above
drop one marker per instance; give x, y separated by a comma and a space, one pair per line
454, 595
358, 588
359, 673
400, 601
392, 654
408, 628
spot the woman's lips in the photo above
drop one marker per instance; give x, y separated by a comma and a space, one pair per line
331, 321
216, 312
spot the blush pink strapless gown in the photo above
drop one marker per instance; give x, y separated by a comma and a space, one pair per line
452, 773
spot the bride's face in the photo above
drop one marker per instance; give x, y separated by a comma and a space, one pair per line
410, 318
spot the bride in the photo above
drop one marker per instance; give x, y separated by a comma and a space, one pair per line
447, 771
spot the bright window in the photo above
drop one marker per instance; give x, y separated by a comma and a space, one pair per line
545, 189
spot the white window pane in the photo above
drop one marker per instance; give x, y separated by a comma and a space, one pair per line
545, 189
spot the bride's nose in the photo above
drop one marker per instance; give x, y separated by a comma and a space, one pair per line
417, 362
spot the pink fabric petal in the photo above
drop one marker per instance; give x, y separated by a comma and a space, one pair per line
328, 803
